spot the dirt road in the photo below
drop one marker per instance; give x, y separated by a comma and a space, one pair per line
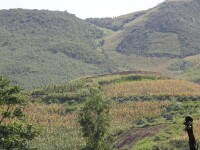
130, 137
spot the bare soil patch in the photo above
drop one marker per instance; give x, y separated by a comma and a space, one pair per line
130, 137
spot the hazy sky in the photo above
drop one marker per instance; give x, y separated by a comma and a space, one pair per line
84, 8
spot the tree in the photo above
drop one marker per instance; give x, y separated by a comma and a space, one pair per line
14, 131
95, 121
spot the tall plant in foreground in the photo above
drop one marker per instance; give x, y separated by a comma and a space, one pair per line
94, 120
14, 132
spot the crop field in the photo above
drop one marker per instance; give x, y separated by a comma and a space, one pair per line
153, 88
61, 129
124, 115
152, 121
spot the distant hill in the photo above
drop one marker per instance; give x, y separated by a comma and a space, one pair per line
169, 32
52, 31
117, 23
40, 47
171, 29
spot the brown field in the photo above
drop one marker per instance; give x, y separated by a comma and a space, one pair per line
153, 88
62, 128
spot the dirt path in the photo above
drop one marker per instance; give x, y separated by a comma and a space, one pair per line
130, 137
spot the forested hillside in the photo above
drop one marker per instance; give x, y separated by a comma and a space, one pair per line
170, 29
169, 32
40, 47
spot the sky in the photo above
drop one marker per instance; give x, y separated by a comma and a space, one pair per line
84, 8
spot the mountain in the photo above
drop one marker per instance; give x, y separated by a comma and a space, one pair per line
170, 29
40, 47
53, 31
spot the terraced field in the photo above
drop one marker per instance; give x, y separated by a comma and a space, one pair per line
147, 104
153, 88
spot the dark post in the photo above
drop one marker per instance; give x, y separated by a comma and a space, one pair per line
189, 128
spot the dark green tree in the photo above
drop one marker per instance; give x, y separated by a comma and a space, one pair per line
14, 131
95, 121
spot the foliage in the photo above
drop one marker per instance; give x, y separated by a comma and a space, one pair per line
14, 132
94, 120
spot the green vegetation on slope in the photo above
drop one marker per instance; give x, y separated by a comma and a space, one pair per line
188, 67
49, 31
42, 47
39, 48
170, 29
